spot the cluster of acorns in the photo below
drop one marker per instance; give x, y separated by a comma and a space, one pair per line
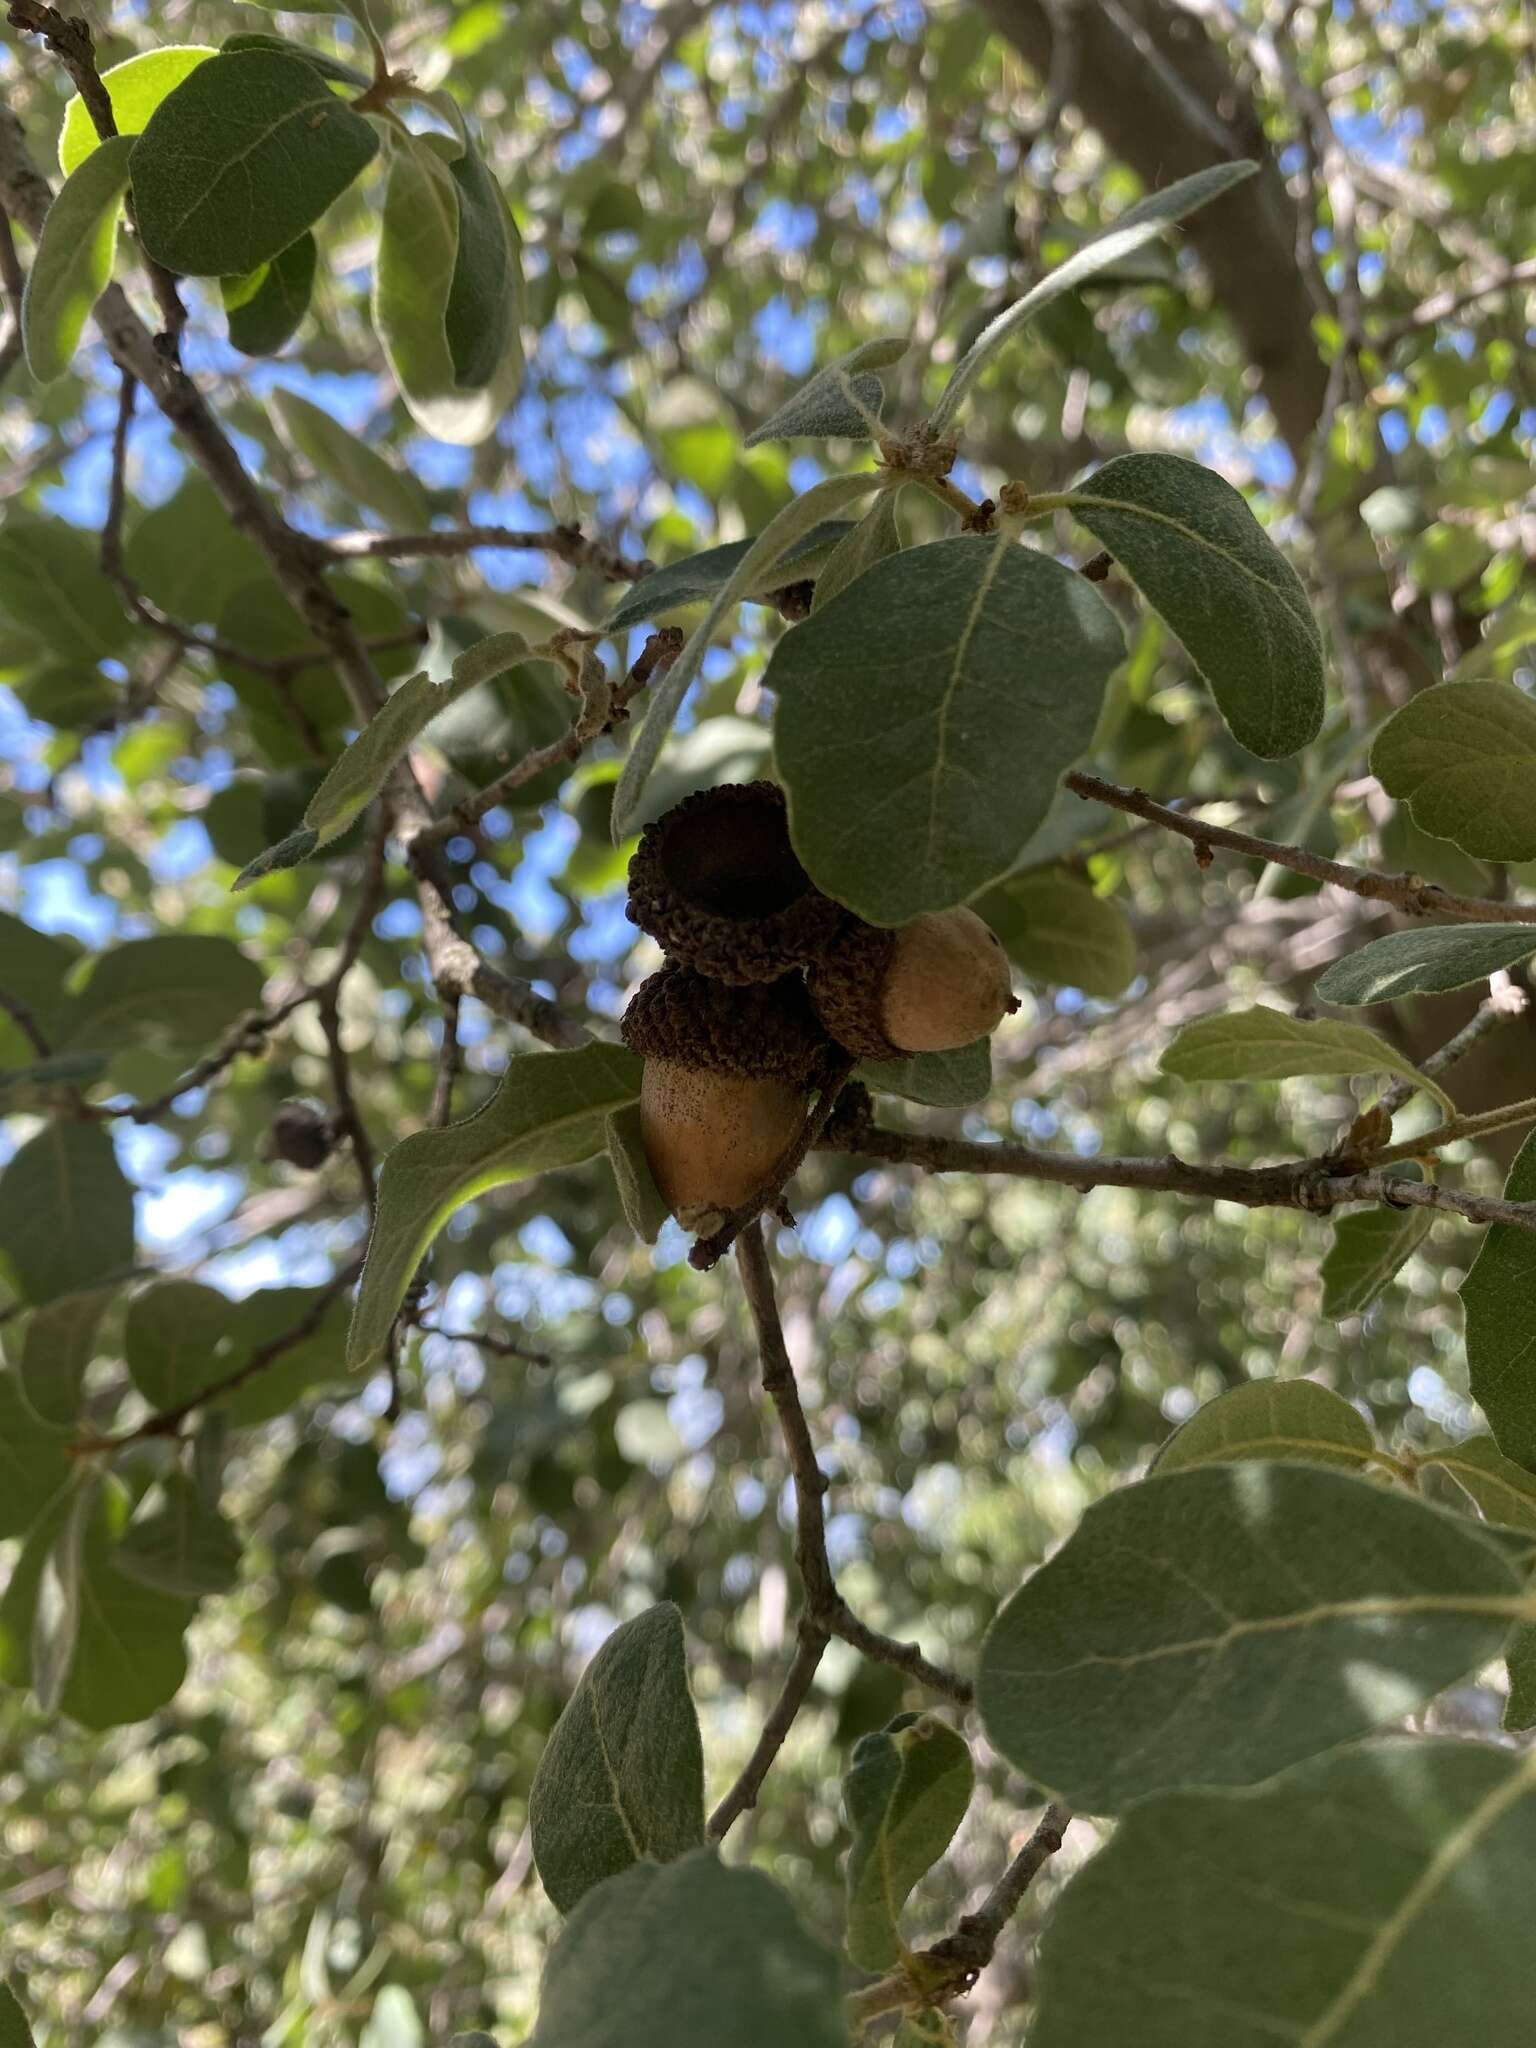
767, 983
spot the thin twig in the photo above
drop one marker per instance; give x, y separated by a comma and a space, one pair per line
348, 1118
1454, 1129
708, 1251
1440, 306
824, 1604
449, 1060
1508, 1000
14, 285
484, 1340
655, 658
1408, 893
814, 1637
566, 543
951, 1966
21, 1016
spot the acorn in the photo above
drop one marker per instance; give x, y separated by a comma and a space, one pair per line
928, 986
728, 1072
719, 887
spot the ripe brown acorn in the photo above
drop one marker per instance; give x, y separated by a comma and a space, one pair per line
728, 1072
930, 986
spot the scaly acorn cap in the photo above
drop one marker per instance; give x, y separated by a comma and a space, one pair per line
765, 1032
933, 985
719, 887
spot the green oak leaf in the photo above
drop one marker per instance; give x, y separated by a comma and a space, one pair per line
697, 578
1499, 1299
745, 1974
74, 259
1368, 1249
1194, 550
906, 1790
550, 1110
245, 154
1502, 1491
800, 517
621, 1780
1059, 931
1137, 226
843, 399
178, 991
57, 1343
135, 89
1430, 960
175, 1340
1348, 1902
1182, 1609
645, 1207
51, 587
927, 715
1271, 1045
876, 536
1271, 1419
182, 1546
356, 469
1462, 756
14, 2030
942, 1080
129, 1656
264, 308
66, 1212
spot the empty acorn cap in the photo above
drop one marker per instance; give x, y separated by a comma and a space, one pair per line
766, 1031
717, 884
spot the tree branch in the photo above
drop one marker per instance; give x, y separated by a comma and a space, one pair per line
1407, 893
1317, 1186
814, 1637
824, 1605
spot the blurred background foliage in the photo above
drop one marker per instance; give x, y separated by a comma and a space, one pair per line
322, 1840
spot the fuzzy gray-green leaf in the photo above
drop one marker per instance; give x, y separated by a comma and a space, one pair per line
843, 399
73, 261
264, 308
621, 1780
1368, 1249
1426, 961
1060, 932
906, 1790
942, 1080
1463, 758
876, 536
691, 1952
247, 152
697, 578
1502, 1491
1499, 1297
1271, 1045
1190, 544
927, 715
550, 1110
1271, 1419
1351, 1903
1183, 1612
1136, 227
